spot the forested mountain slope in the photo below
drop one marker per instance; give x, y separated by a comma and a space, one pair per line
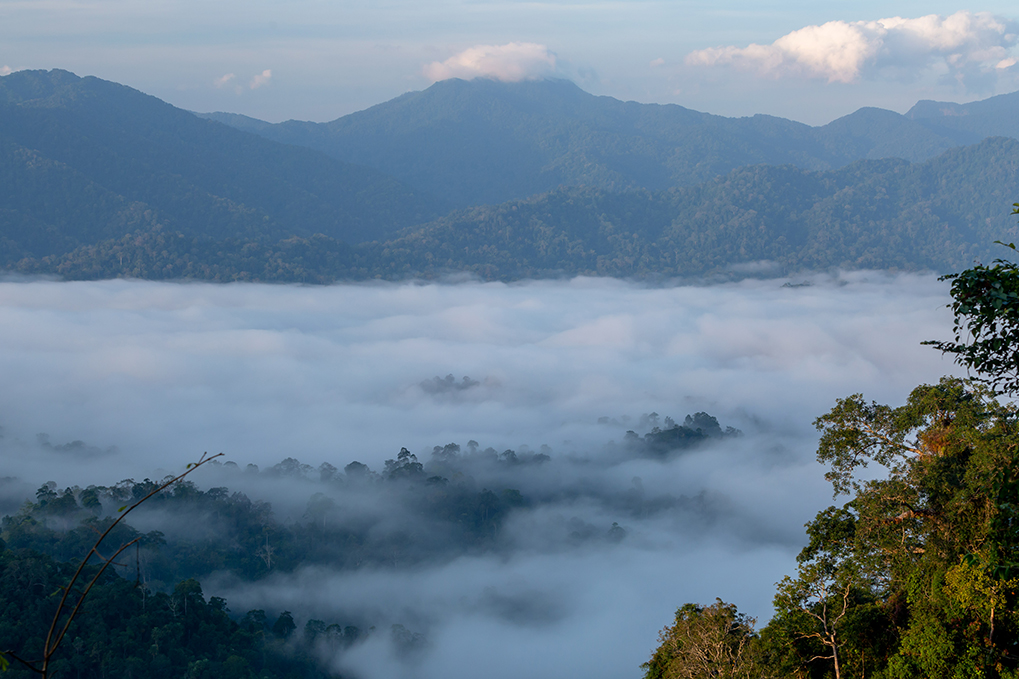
939, 215
83, 159
482, 141
99, 180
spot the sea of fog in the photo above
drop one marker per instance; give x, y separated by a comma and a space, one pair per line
118, 379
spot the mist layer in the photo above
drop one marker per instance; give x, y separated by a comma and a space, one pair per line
115, 379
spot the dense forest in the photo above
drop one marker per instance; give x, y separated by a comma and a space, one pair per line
150, 618
915, 573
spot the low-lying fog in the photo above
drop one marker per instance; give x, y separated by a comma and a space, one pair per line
123, 379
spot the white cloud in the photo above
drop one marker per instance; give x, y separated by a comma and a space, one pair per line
841, 51
224, 81
164, 371
6, 70
261, 79
254, 370
657, 62
512, 62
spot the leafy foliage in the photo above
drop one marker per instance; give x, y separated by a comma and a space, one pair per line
704, 641
917, 574
986, 308
409, 512
874, 214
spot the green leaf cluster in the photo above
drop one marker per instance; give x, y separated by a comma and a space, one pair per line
986, 307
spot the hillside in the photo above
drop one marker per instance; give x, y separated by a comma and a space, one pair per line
886, 214
937, 215
99, 180
84, 160
481, 141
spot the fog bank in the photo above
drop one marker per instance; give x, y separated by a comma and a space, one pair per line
119, 379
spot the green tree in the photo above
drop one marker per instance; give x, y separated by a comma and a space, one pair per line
936, 534
986, 308
703, 642
917, 574
284, 625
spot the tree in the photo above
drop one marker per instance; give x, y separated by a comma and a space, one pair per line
704, 641
936, 535
823, 598
284, 625
986, 308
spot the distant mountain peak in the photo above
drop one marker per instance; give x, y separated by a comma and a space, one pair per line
546, 86
484, 140
1006, 104
928, 108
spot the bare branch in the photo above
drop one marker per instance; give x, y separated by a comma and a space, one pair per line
50, 646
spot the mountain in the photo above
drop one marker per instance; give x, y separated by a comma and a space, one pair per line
883, 214
83, 159
98, 180
997, 116
939, 215
483, 141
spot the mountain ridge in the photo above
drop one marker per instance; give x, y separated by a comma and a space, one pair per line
550, 133
198, 176
879, 214
98, 180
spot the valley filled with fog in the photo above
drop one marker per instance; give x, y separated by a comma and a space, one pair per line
117, 379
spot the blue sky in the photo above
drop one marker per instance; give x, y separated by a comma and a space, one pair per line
319, 59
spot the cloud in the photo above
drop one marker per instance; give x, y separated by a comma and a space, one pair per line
223, 81
655, 63
261, 79
5, 70
964, 43
512, 62
164, 371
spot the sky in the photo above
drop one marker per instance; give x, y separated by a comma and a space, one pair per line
116, 379
320, 59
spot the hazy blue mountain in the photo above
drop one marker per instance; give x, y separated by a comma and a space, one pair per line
997, 116
85, 159
875, 133
47, 207
237, 121
483, 141
938, 215
99, 180
887, 214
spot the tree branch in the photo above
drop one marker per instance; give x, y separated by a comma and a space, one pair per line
50, 646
